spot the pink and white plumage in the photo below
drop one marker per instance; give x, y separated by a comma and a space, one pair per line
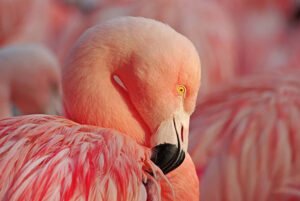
245, 140
149, 114
52, 158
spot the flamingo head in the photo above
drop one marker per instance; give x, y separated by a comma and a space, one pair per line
157, 71
162, 79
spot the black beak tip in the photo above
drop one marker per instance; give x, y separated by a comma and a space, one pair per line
167, 157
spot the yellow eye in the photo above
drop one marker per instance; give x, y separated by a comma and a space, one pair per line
181, 90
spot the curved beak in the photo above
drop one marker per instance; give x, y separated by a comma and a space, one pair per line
170, 142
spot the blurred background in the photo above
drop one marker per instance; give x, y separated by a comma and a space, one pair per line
250, 55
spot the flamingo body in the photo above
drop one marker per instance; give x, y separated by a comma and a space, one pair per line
245, 139
53, 158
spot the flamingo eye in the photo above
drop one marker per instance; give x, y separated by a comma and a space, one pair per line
181, 90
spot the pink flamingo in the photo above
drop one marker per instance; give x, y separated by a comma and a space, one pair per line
245, 140
29, 79
135, 75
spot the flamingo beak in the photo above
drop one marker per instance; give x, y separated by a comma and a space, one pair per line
170, 142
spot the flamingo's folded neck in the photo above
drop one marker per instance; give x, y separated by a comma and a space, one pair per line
99, 100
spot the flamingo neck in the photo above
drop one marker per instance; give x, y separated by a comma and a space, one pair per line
92, 97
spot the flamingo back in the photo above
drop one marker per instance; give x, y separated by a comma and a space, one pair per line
51, 158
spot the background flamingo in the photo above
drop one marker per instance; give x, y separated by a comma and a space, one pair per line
49, 158
29, 80
248, 138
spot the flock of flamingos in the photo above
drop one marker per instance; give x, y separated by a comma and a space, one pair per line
183, 100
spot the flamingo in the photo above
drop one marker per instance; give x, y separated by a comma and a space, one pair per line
245, 140
129, 85
29, 80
